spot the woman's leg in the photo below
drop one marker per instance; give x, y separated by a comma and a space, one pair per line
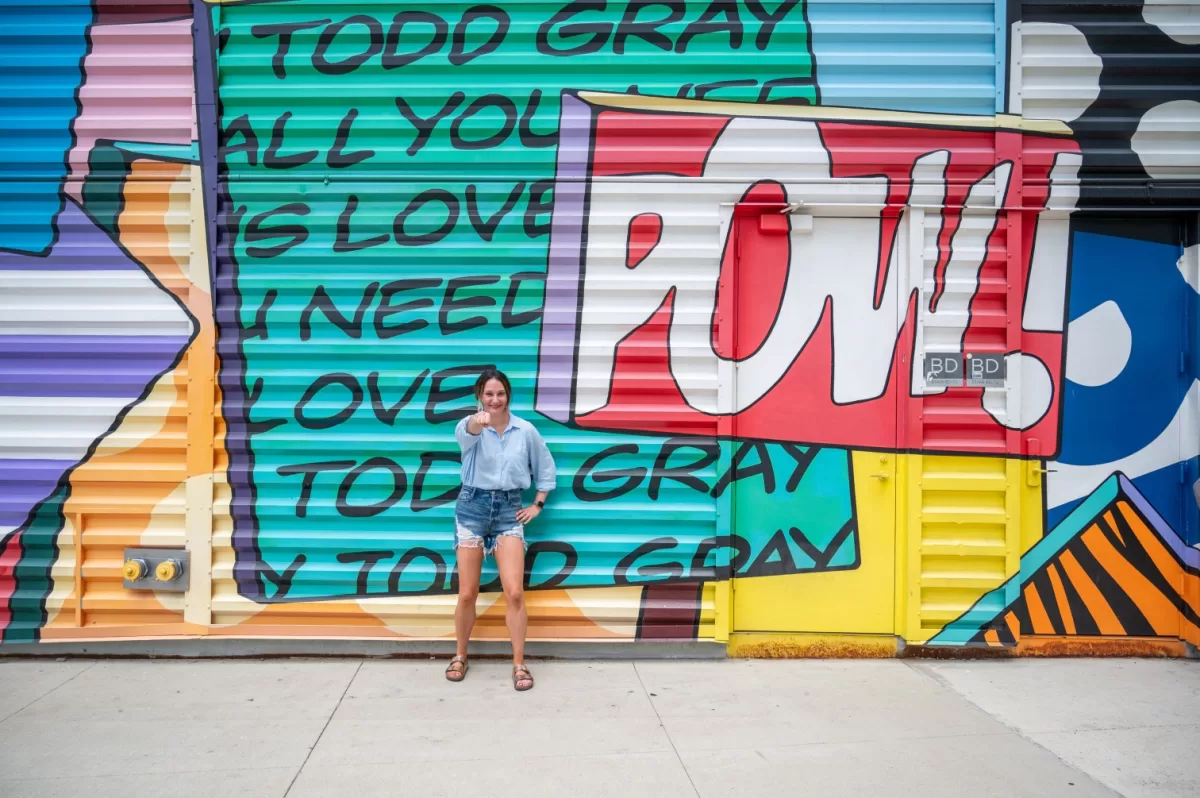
470, 563
510, 562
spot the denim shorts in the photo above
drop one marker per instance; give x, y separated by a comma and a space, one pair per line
482, 517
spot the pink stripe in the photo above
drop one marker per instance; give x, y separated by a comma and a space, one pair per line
10, 554
138, 86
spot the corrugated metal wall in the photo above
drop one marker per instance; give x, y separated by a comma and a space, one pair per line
94, 313
587, 195
433, 248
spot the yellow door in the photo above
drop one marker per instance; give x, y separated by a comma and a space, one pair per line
812, 461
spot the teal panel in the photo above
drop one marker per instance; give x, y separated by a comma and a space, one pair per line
386, 197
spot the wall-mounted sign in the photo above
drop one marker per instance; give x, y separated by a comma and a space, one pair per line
986, 371
943, 369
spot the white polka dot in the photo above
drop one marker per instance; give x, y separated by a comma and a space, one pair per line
1179, 19
1189, 266
1098, 345
1036, 393
1167, 140
1057, 74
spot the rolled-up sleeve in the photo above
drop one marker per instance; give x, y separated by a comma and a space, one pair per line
544, 471
466, 440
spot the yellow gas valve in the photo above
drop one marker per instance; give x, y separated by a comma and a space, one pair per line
134, 569
168, 570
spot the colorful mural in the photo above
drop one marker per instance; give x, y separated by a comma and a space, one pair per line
1113, 567
252, 256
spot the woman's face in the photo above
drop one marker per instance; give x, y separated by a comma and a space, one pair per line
495, 398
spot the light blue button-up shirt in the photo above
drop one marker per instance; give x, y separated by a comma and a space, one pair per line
505, 462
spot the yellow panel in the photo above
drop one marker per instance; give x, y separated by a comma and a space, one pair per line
1033, 503
855, 601
722, 610
969, 520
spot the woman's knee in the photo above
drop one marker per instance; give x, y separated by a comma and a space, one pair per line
467, 595
514, 595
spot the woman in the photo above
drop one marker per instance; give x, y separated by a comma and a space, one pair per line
500, 454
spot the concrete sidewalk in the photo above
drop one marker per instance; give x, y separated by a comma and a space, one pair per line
659, 728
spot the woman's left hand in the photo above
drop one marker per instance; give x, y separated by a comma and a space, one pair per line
527, 514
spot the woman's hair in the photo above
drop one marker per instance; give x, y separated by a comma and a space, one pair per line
492, 374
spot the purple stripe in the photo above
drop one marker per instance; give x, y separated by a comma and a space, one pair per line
79, 365
1164, 531
226, 308
205, 60
556, 359
81, 246
24, 483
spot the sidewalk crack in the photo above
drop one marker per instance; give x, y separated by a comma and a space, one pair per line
49, 692
666, 731
946, 684
328, 720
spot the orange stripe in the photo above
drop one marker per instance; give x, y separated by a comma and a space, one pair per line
1189, 631
1164, 561
1093, 599
991, 637
1060, 598
1112, 524
1158, 609
1039, 619
1014, 626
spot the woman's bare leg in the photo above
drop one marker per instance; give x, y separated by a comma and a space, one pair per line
470, 563
510, 562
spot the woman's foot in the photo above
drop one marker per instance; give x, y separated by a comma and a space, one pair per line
456, 671
522, 679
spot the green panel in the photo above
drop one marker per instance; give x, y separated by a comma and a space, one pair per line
430, 240
39, 550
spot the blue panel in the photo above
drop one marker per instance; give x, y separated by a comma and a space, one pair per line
1105, 423
907, 56
42, 45
1111, 421
1164, 491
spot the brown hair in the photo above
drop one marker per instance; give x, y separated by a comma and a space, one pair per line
492, 374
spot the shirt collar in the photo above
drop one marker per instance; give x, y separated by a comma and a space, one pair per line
513, 423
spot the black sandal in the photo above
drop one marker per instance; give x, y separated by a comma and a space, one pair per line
454, 673
519, 679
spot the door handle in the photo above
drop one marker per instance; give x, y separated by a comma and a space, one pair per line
883, 460
1033, 476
